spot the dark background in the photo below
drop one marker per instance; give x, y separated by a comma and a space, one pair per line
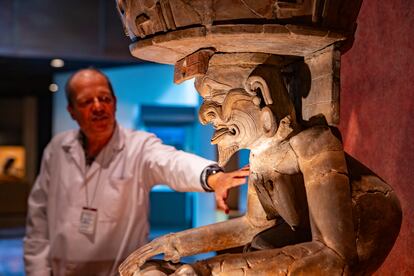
377, 102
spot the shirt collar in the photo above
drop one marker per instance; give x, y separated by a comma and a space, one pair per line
73, 142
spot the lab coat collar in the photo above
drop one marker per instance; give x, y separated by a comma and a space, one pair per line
72, 145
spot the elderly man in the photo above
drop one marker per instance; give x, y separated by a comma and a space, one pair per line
88, 209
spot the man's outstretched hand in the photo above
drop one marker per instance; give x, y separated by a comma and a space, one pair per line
221, 182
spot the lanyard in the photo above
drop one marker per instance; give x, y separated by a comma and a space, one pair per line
94, 192
98, 184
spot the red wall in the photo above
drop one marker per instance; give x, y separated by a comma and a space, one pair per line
377, 109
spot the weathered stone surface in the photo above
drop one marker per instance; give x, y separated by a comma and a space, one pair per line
323, 97
268, 72
276, 39
191, 66
234, 26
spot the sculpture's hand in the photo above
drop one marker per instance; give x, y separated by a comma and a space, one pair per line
162, 245
222, 182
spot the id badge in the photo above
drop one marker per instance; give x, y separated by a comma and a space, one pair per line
88, 220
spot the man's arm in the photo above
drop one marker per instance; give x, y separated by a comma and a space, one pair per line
183, 171
36, 241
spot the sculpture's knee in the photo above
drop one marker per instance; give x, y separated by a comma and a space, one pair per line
323, 262
377, 220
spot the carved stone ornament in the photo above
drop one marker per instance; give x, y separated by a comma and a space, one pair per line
268, 72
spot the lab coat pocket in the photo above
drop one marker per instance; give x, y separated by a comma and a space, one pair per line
117, 198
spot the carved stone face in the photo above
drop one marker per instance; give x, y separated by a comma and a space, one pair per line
243, 101
235, 121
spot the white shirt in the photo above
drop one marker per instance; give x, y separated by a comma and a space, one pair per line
119, 180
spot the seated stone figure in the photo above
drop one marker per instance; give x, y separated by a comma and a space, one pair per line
312, 209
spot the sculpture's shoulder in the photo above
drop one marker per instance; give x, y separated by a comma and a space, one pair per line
315, 140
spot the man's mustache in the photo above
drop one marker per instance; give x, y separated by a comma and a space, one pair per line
100, 117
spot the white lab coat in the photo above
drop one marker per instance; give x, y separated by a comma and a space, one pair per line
127, 168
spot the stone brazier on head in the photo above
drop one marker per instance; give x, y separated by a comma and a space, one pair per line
268, 73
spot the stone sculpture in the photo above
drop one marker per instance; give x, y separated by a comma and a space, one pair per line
271, 87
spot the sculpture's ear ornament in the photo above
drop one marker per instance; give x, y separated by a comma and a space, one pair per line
253, 83
268, 121
257, 86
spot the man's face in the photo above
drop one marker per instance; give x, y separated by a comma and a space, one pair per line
93, 105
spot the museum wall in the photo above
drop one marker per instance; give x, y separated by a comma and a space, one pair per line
377, 102
70, 29
144, 84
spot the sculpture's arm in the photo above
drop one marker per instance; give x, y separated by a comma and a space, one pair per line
322, 162
219, 236
309, 258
